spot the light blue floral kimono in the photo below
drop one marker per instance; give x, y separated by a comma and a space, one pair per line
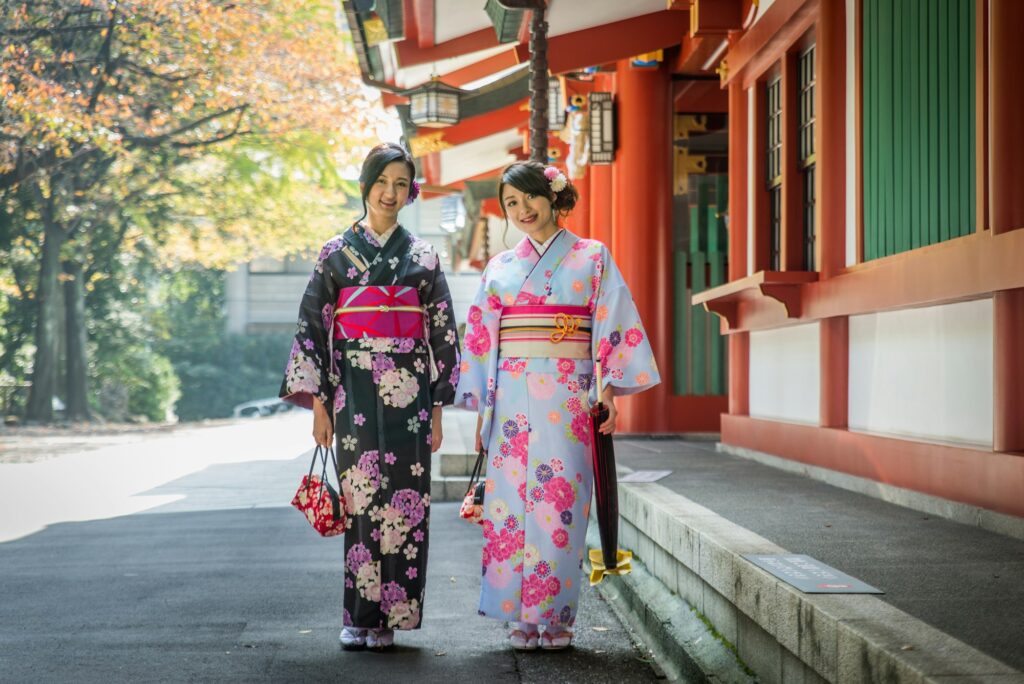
536, 422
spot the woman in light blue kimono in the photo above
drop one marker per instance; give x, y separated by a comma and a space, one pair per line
545, 312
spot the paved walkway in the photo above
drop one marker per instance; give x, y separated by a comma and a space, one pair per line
962, 580
177, 558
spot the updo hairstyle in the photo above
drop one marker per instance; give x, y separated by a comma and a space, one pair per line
528, 177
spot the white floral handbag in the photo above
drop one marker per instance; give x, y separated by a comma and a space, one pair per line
472, 508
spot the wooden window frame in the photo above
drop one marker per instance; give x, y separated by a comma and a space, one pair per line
807, 153
781, 199
774, 121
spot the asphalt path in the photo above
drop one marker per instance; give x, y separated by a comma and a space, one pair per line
209, 576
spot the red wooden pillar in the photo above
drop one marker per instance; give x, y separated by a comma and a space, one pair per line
739, 374
1008, 371
830, 146
1006, 101
737, 181
1006, 213
834, 342
739, 343
830, 138
601, 203
579, 220
642, 233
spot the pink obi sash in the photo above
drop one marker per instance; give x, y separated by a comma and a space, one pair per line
378, 311
554, 331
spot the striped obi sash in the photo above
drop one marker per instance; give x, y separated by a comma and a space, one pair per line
378, 311
554, 331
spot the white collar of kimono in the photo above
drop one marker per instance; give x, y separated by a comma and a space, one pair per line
382, 239
542, 247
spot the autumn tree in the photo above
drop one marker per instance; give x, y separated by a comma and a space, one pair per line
89, 89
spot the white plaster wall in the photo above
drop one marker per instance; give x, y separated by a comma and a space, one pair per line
236, 297
923, 373
785, 374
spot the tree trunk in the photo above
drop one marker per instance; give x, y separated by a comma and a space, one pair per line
77, 337
44, 366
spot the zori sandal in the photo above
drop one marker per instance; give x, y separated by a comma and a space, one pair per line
555, 639
352, 638
523, 636
379, 639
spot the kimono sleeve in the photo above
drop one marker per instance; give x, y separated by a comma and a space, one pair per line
311, 371
479, 350
619, 340
443, 338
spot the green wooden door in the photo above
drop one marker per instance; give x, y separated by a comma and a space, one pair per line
918, 123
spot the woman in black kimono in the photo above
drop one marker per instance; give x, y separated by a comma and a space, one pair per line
376, 358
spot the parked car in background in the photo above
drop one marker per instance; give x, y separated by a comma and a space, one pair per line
257, 408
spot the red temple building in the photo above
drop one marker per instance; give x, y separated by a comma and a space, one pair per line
817, 205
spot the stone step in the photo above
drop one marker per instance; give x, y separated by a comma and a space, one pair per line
448, 488
782, 634
663, 621
453, 464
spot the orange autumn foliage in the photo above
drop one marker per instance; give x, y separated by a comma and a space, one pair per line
81, 77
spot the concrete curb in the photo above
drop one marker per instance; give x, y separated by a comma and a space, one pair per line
783, 634
682, 644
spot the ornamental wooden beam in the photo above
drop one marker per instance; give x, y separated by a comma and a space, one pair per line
411, 55
615, 41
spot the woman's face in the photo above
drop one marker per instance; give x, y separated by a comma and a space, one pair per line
389, 192
530, 213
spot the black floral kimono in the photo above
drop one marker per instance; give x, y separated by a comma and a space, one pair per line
382, 390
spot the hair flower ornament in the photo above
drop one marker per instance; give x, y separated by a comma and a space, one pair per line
414, 192
556, 178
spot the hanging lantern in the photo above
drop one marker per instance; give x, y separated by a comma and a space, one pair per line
556, 104
434, 104
507, 22
602, 128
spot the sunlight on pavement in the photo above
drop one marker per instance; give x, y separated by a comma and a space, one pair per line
114, 481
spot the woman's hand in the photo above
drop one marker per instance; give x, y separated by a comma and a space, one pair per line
436, 434
323, 426
608, 398
479, 426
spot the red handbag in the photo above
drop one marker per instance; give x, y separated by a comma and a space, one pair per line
318, 500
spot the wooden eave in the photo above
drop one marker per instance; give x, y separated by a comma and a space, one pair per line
615, 41
761, 44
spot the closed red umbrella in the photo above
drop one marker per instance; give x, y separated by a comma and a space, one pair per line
609, 559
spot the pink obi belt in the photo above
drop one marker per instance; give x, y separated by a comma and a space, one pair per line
553, 331
378, 311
